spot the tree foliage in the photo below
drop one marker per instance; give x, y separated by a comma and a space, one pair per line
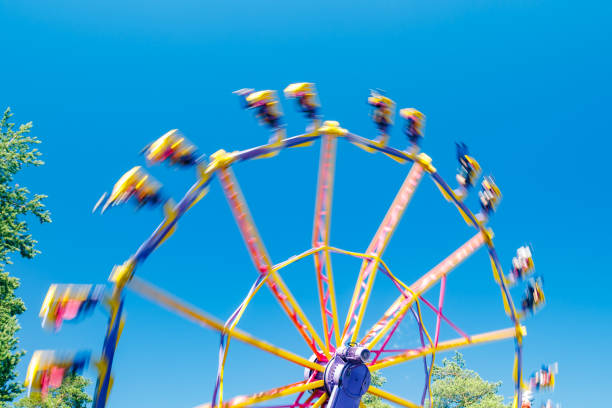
10, 307
454, 386
16, 203
17, 151
71, 394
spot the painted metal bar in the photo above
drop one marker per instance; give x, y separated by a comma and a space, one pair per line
382, 348
296, 258
309, 400
426, 368
262, 262
235, 317
404, 301
391, 397
519, 369
367, 274
448, 193
226, 339
497, 269
446, 319
167, 226
297, 400
390, 151
306, 403
439, 316
259, 151
448, 345
303, 405
320, 237
320, 401
439, 311
105, 366
159, 235
190, 312
195, 192
246, 401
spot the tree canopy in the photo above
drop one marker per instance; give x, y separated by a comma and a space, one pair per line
16, 203
454, 386
71, 394
17, 151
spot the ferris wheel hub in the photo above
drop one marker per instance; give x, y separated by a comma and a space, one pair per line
346, 377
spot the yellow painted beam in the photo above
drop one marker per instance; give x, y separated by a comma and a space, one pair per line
320, 401
391, 397
377, 247
246, 401
405, 300
320, 236
182, 308
261, 259
488, 337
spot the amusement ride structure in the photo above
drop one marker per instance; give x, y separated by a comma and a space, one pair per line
344, 355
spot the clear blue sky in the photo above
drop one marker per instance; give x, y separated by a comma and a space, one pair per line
526, 84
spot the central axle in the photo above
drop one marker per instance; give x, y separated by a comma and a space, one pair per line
346, 377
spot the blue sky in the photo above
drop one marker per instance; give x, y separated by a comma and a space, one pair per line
525, 84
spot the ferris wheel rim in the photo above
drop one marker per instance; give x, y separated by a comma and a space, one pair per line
314, 251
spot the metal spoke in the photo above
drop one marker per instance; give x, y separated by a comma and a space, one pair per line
404, 301
249, 400
365, 279
392, 397
183, 309
262, 262
449, 345
320, 401
320, 238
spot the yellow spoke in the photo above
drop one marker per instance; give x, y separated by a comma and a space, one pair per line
320, 401
391, 397
403, 302
248, 400
367, 274
183, 309
320, 237
488, 337
261, 259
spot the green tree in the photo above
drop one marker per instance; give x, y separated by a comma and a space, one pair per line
454, 386
71, 394
372, 401
16, 203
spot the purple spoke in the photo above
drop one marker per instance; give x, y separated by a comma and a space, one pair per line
424, 357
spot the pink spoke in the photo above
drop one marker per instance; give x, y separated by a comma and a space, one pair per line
297, 400
382, 348
308, 401
367, 273
451, 324
259, 256
405, 300
439, 312
320, 238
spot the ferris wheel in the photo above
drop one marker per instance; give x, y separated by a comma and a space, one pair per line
344, 353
